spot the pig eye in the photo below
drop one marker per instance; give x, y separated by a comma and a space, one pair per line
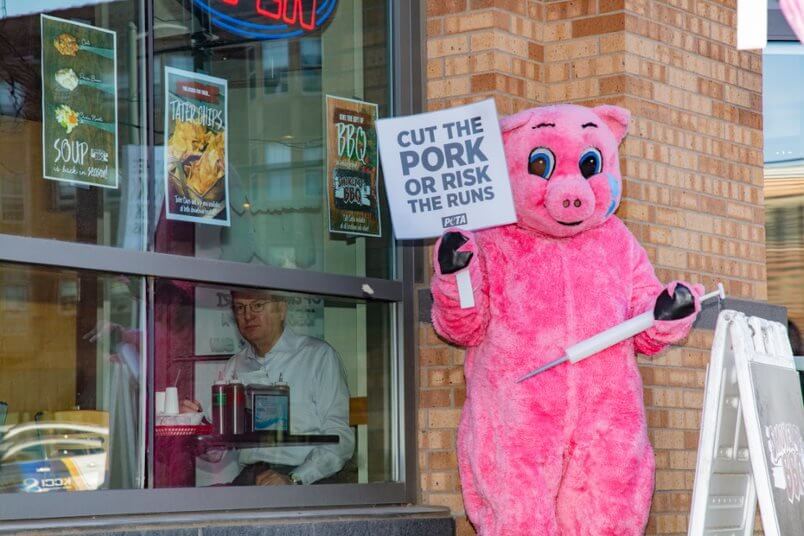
591, 163
541, 162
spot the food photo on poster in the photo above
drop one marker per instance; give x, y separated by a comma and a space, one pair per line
79, 103
196, 154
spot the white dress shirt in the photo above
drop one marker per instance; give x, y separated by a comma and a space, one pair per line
319, 402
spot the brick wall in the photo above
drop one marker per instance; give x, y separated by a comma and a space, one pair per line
692, 167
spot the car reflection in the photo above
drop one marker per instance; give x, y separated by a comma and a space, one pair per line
38, 457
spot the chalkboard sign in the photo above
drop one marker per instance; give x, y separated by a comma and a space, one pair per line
774, 420
751, 444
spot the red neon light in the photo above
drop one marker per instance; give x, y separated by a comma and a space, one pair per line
298, 11
231, 2
276, 15
288, 11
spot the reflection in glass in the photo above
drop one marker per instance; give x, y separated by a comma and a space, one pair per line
783, 111
275, 60
310, 52
70, 376
272, 386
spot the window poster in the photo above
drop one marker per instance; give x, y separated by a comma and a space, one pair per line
352, 180
79, 103
196, 153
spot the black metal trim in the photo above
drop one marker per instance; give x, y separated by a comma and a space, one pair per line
149, 12
279, 515
408, 38
778, 29
22, 506
45, 252
707, 319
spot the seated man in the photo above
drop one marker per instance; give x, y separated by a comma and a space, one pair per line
319, 396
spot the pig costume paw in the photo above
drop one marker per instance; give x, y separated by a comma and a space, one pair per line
567, 451
454, 251
669, 331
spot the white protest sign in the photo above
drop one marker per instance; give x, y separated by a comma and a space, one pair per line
445, 169
752, 24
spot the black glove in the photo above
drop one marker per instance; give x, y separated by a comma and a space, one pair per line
680, 305
450, 260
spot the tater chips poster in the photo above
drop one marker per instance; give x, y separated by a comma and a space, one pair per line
196, 151
79, 103
352, 189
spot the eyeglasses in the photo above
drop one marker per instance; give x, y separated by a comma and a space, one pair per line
255, 307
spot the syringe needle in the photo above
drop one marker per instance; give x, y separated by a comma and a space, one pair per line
541, 369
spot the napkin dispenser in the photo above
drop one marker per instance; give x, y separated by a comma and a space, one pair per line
268, 408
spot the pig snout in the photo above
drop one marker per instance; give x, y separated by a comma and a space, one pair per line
570, 201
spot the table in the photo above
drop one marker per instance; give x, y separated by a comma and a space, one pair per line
266, 439
174, 456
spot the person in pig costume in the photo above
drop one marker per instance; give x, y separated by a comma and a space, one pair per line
567, 451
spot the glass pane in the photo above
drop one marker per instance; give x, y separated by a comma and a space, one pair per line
783, 111
277, 199
104, 146
256, 387
70, 376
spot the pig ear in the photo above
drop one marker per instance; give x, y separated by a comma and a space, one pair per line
616, 119
517, 120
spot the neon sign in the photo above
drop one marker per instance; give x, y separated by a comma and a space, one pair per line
268, 19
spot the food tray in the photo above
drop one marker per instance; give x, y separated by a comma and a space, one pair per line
182, 430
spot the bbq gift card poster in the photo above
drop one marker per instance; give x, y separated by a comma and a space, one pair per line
196, 153
352, 167
79, 103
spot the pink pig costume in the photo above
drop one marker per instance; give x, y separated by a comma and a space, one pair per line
567, 451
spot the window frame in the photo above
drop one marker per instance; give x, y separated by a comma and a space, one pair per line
778, 29
405, 20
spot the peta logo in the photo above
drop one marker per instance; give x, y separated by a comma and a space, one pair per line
454, 221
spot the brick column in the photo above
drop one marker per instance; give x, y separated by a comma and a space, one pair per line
692, 167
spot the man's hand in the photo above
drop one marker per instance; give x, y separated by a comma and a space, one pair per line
190, 406
271, 478
210, 454
102, 329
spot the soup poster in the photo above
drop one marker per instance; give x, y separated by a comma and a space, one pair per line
354, 205
196, 152
79, 103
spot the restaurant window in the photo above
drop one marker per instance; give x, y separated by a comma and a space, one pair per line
274, 220
182, 307
324, 385
71, 383
783, 115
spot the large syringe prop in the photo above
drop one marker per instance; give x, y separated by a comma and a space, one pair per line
610, 337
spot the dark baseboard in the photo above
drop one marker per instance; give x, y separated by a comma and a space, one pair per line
391, 521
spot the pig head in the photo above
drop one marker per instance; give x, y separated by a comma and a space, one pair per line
563, 164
